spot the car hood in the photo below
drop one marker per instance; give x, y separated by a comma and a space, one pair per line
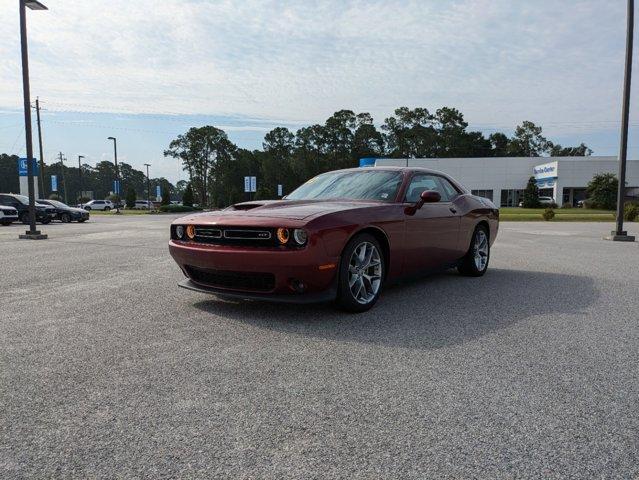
286, 209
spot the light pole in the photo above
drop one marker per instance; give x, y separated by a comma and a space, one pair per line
148, 187
117, 173
32, 233
80, 157
619, 234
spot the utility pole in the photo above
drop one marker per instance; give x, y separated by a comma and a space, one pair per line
619, 234
37, 108
117, 173
32, 233
64, 182
148, 187
80, 157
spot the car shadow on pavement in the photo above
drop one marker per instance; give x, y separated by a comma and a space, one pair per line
440, 310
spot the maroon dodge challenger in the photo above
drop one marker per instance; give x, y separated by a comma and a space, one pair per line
340, 236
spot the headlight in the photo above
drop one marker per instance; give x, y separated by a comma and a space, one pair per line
300, 236
283, 235
179, 231
190, 231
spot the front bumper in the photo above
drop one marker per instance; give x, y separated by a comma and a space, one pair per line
307, 265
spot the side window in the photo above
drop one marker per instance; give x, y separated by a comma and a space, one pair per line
447, 191
420, 183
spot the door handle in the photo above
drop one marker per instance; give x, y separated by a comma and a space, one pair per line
453, 209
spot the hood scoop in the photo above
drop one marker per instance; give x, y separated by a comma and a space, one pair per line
246, 206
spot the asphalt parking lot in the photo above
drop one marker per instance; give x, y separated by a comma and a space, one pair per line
107, 369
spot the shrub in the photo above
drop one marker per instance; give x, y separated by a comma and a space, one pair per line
54, 196
166, 195
631, 212
178, 208
567, 205
130, 198
602, 191
531, 194
548, 214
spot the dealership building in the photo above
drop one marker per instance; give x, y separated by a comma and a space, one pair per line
503, 179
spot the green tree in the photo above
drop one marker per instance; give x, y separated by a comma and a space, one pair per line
528, 141
166, 195
131, 197
187, 198
580, 151
531, 194
602, 191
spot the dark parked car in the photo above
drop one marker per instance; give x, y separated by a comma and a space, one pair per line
342, 235
44, 213
65, 213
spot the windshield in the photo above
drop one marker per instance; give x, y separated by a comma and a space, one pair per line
380, 185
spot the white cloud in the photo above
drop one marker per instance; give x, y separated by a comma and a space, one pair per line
499, 61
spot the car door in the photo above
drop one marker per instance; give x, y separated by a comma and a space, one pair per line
432, 232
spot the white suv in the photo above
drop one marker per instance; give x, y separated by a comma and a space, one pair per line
8, 215
98, 205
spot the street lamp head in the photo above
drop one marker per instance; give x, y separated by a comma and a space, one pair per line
80, 157
110, 138
34, 5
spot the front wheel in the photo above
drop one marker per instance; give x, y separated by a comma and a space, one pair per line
475, 262
361, 274
65, 218
106, 209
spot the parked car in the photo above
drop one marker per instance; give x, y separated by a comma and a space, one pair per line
543, 201
44, 213
65, 213
105, 205
8, 215
340, 236
143, 205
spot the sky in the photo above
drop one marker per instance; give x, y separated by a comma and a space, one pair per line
146, 71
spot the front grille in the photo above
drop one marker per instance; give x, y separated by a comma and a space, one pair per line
262, 282
250, 237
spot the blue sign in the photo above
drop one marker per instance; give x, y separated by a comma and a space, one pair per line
158, 191
367, 162
54, 183
116, 187
22, 167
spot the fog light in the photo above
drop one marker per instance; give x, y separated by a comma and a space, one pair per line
179, 231
300, 236
283, 235
298, 285
190, 231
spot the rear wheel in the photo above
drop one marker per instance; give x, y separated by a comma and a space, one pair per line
475, 262
24, 218
87, 208
361, 274
106, 209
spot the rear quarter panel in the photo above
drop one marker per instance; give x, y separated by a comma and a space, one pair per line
475, 211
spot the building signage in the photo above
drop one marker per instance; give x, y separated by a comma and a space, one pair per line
250, 184
54, 183
22, 167
158, 192
279, 190
546, 171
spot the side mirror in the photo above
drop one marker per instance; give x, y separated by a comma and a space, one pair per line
427, 196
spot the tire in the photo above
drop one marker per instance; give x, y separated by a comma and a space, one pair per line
24, 218
353, 278
65, 218
475, 262
88, 209
107, 209
6, 224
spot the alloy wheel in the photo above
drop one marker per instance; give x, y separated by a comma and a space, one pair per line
481, 250
365, 272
